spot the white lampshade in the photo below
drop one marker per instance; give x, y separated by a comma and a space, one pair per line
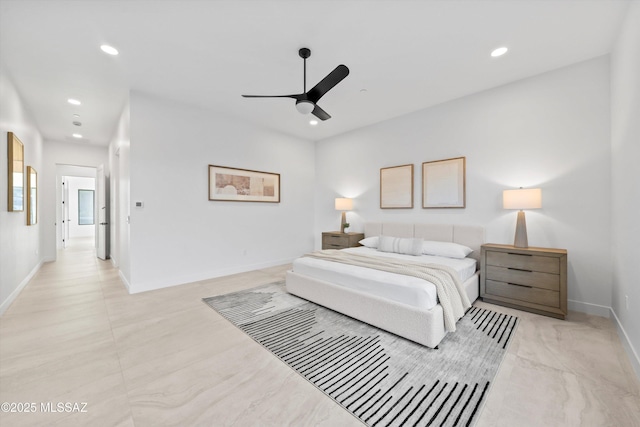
522, 198
304, 106
344, 204
530, 198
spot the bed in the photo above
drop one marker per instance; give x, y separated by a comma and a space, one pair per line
404, 306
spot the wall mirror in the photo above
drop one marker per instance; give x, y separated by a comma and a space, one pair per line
32, 196
15, 189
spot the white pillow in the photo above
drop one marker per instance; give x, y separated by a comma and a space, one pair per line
445, 249
399, 245
370, 242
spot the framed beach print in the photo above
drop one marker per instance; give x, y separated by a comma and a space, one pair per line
15, 190
243, 185
396, 187
443, 183
32, 196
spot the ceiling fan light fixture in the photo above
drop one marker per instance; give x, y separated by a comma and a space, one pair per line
304, 106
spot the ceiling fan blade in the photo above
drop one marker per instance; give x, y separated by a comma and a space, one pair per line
320, 113
274, 96
325, 85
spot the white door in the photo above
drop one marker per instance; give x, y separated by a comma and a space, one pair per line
102, 233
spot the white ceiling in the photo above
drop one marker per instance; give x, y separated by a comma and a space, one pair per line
408, 55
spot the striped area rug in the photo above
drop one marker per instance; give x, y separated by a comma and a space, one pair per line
380, 378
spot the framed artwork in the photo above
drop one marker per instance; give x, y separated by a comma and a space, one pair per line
243, 185
396, 187
32, 196
15, 190
443, 184
86, 207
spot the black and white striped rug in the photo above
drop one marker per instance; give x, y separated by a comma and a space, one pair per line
382, 379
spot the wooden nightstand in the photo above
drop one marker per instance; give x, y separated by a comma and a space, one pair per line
338, 240
530, 279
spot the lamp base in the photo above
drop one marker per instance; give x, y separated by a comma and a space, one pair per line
520, 240
343, 222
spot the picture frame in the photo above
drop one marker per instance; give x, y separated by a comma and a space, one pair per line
15, 186
32, 196
396, 187
227, 184
444, 183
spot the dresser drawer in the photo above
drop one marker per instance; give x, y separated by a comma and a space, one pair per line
334, 240
521, 293
337, 240
524, 262
535, 279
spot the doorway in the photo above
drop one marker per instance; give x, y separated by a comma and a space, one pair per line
78, 209
80, 213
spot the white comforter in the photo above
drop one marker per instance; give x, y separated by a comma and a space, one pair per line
396, 287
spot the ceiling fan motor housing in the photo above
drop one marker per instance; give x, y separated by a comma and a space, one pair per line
304, 53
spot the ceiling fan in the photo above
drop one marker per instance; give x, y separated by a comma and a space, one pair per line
307, 102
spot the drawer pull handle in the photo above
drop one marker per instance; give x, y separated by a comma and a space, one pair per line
513, 253
521, 269
522, 286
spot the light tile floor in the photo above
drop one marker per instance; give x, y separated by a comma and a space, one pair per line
165, 358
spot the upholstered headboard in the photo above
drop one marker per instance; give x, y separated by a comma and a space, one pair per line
468, 235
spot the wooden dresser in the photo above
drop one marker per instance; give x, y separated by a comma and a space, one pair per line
530, 279
338, 240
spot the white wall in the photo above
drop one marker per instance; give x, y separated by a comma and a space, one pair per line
180, 236
20, 245
56, 154
625, 195
550, 131
76, 230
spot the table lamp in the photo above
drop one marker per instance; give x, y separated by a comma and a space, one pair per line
522, 198
344, 205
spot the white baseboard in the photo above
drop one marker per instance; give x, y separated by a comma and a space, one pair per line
588, 308
6, 303
608, 312
631, 351
125, 281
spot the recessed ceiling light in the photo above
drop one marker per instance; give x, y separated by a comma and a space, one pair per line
499, 52
76, 115
109, 49
73, 101
77, 135
313, 122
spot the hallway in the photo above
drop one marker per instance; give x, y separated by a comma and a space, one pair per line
56, 343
